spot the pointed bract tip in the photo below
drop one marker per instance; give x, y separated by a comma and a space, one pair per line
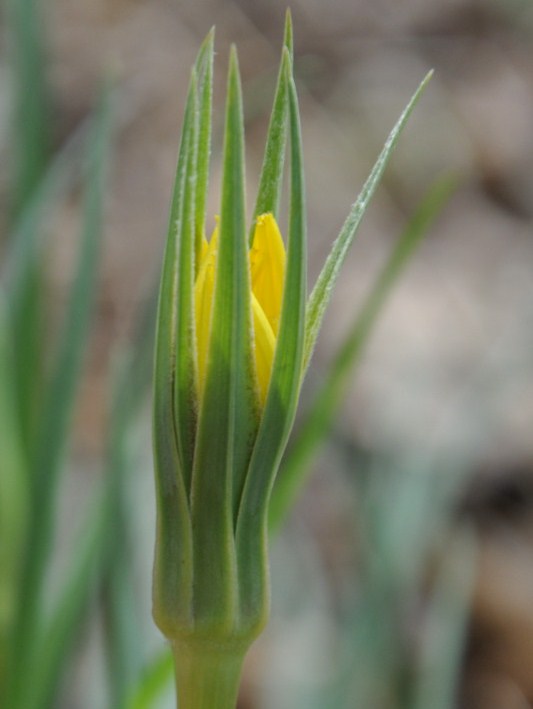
286, 63
208, 39
233, 56
233, 71
288, 34
204, 59
422, 87
427, 78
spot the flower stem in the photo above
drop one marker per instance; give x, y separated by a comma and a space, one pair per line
207, 677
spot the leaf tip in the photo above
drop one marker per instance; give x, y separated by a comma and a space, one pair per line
233, 57
204, 58
208, 42
286, 65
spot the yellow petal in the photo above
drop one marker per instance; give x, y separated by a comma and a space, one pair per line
264, 346
203, 251
267, 266
264, 340
203, 302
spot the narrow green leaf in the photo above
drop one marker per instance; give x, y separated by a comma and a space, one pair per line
31, 115
315, 425
97, 547
25, 248
65, 378
321, 294
270, 182
124, 640
30, 164
153, 683
59, 400
204, 70
53, 643
22, 274
282, 397
13, 475
227, 416
27, 321
445, 629
14, 498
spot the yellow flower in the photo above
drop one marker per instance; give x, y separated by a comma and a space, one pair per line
267, 272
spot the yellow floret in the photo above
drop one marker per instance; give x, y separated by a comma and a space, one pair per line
267, 271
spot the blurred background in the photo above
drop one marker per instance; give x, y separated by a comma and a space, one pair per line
404, 577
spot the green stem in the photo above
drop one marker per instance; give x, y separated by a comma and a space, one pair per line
207, 676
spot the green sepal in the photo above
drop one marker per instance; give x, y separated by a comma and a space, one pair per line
204, 72
172, 588
270, 181
183, 235
319, 298
317, 420
282, 397
228, 410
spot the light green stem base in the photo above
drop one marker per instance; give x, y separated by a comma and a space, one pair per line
207, 677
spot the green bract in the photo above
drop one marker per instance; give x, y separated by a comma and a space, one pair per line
217, 446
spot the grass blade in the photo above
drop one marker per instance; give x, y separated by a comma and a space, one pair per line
60, 395
124, 641
31, 118
444, 637
97, 548
27, 322
51, 647
155, 679
65, 378
22, 274
14, 498
24, 248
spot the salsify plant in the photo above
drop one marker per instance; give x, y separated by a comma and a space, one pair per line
235, 334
